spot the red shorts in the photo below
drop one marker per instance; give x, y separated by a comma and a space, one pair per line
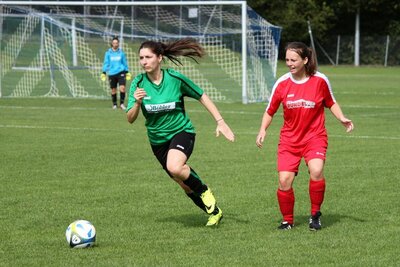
289, 157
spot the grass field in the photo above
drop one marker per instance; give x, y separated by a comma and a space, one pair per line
68, 159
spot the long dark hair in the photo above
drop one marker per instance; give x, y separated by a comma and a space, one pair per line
304, 52
186, 47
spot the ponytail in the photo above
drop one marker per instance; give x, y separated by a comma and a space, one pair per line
311, 66
186, 47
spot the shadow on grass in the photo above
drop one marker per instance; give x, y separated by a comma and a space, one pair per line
328, 220
188, 220
199, 220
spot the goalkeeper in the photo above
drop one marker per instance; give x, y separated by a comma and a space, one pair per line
116, 66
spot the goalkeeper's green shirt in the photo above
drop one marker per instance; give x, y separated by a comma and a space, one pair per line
163, 107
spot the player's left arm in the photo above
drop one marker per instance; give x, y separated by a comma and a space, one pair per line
330, 102
124, 62
222, 127
190, 89
337, 112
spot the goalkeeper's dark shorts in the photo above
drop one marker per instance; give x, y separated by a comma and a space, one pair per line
182, 141
117, 79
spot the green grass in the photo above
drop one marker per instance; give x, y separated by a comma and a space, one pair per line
68, 159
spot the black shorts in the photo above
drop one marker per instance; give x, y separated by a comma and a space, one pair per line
117, 79
182, 141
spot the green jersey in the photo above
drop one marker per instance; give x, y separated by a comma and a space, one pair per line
163, 107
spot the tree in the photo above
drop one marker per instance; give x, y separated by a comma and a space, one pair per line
378, 17
292, 16
330, 17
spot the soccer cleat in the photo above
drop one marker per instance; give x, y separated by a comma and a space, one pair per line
315, 221
285, 226
209, 201
122, 106
214, 219
114, 107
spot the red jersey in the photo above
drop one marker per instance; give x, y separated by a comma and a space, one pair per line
303, 107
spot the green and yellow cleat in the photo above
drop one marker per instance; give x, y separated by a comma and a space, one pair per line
214, 219
209, 201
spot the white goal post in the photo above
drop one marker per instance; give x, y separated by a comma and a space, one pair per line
56, 48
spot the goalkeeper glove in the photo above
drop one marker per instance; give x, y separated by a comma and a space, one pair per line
128, 76
103, 77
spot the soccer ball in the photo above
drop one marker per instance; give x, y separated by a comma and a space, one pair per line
80, 234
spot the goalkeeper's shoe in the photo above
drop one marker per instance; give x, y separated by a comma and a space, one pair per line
128, 76
103, 77
285, 226
209, 201
315, 221
214, 219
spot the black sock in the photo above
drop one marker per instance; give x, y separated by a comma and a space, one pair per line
114, 99
194, 182
121, 97
216, 210
196, 200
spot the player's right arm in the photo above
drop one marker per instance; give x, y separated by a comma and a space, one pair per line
105, 68
266, 120
265, 123
133, 112
106, 63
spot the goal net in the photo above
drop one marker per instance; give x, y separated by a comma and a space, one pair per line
56, 48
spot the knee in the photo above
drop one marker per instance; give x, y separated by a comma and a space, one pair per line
316, 169
285, 183
175, 170
316, 174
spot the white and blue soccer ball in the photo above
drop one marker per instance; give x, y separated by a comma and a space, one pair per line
81, 234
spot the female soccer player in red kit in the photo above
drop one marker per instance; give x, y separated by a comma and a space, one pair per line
304, 93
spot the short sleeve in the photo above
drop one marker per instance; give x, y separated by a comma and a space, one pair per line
189, 88
329, 99
274, 101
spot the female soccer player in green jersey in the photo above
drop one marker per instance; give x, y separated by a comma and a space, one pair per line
159, 94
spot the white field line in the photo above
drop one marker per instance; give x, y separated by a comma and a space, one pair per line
333, 136
365, 137
132, 131
371, 107
64, 128
191, 110
262, 108
49, 108
380, 114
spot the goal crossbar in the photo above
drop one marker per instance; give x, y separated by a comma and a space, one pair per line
98, 3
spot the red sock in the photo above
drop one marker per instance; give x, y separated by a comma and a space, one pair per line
317, 192
286, 204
